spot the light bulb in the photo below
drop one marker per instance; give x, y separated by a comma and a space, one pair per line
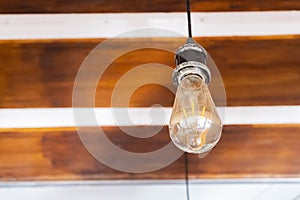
195, 126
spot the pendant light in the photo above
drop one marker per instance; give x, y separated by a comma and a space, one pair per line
195, 126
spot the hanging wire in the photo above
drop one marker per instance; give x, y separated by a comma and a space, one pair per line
188, 10
186, 161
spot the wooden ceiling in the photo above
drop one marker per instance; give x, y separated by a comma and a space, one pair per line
117, 6
57, 154
257, 71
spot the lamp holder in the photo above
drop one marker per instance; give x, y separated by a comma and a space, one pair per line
191, 59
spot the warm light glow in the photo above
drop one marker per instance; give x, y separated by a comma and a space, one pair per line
195, 126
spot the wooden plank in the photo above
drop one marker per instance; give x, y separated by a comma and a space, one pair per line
105, 6
57, 154
252, 151
255, 70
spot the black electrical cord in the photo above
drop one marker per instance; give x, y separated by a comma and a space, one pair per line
186, 161
188, 10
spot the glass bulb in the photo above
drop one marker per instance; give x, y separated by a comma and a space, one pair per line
195, 126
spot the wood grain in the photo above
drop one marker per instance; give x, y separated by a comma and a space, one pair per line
256, 71
57, 154
111, 6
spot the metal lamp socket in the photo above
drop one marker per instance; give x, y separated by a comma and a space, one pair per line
191, 59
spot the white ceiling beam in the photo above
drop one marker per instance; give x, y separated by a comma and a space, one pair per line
149, 190
63, 117
209, 24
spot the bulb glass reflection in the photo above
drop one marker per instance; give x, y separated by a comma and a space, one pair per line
195, 126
